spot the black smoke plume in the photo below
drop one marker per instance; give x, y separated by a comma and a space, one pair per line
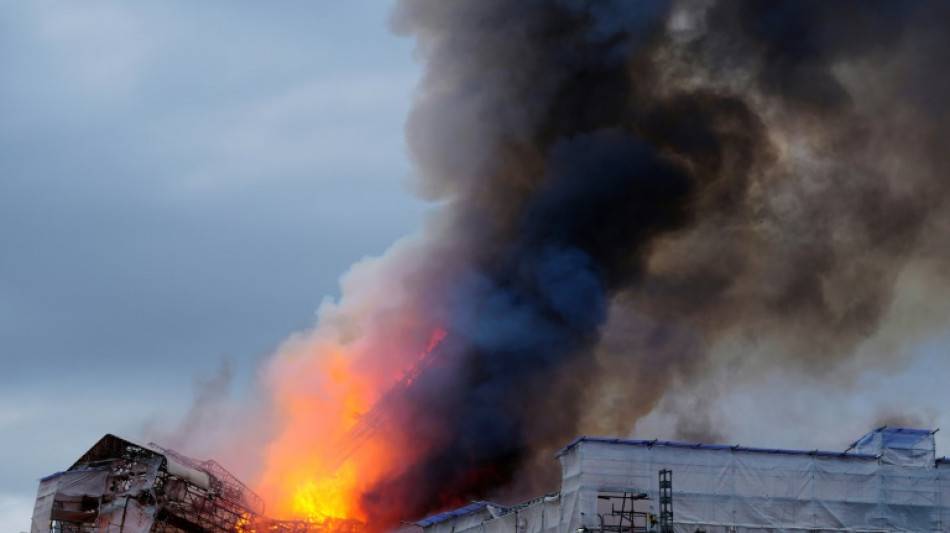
626, 187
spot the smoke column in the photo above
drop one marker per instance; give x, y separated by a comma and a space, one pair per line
626, 191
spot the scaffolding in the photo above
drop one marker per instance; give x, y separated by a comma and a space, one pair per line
623, 513
119, 486
666, 501
888, 481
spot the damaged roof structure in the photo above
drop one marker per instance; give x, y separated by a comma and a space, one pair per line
887, 481
120, 486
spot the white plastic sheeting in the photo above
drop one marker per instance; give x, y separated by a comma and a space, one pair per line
120, 486
114, 508
763, 490
62, 494
189, 474
895, 488
44, 504
899, 446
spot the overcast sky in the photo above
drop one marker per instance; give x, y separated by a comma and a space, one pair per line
180, 183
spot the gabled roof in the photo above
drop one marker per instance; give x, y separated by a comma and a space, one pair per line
111, 447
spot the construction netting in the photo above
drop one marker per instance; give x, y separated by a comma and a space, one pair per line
99, 499
119, 486
723, 488
899, 446
888, 481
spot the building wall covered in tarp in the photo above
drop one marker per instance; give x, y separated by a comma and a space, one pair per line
889, 481
760, 490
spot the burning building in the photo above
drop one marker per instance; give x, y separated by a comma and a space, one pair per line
887, 481
685, 196
119, 486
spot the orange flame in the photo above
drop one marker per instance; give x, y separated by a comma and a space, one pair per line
329, 451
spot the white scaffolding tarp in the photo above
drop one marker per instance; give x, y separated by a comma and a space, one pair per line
61, 495
889, 481
99, 496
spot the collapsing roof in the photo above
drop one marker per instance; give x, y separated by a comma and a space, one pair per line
120, 486
887, 481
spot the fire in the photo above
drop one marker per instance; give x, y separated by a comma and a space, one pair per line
332, 446
317, 499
